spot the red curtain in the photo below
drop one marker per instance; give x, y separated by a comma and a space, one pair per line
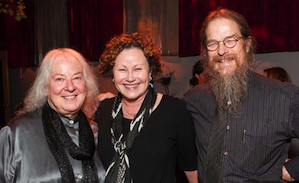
92, 23
17, 37
274, 23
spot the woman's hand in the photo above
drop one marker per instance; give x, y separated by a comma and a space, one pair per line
285, 174
103, 96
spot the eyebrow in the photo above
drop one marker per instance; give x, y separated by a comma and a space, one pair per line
123, 65
214, 40
59, 74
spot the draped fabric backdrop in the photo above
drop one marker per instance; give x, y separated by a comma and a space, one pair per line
85, 26
17, 37
157, 19
51, 26
274, 23
91, 23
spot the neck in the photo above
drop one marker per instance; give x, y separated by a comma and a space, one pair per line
130, 109
133, 104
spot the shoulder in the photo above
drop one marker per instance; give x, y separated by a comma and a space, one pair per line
23, 128
24, 120
199, 91
171, 101
172, 110
105, 106
103, 113
172, 105
107, 102
200, 96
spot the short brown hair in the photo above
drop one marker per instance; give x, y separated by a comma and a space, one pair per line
278, 73
118, 43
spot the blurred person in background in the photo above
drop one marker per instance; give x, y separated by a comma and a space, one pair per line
278, 73
198, 74
283, 76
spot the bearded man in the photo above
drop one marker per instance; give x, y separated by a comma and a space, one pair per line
244, 121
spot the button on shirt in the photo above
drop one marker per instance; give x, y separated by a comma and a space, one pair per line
257, 141
72, 128
25, 152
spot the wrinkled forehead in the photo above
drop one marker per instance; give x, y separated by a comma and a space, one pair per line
67, 63
220, 28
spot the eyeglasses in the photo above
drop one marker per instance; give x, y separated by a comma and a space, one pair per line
228, 42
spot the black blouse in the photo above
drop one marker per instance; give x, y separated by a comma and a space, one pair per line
167, 138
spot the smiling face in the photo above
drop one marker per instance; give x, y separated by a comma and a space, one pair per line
226, 60
66, 89
132, 74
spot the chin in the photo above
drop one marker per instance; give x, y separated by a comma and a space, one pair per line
131, 98
72, 109
227, 71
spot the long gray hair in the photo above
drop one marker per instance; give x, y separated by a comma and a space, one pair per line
36, 96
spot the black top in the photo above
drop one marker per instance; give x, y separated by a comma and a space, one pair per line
257, 142
168, 135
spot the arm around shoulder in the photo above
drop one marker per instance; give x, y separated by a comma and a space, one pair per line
103, 96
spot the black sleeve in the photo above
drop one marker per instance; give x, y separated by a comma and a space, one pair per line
187, 154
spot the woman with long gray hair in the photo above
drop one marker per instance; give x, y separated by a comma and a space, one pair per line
53, 140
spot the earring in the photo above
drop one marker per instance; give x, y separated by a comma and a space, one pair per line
113, 80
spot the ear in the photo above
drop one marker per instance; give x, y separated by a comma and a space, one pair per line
248, 44
46, 92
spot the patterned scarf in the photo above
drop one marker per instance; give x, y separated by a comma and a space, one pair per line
119, 169
60, 143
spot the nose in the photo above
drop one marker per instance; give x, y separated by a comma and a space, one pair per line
130, 77
222, 49
69, 86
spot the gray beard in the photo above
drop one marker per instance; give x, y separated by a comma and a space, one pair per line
232, 87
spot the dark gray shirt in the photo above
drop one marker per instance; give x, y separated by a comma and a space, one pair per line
257, 141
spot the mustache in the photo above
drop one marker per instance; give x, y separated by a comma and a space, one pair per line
224, 58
